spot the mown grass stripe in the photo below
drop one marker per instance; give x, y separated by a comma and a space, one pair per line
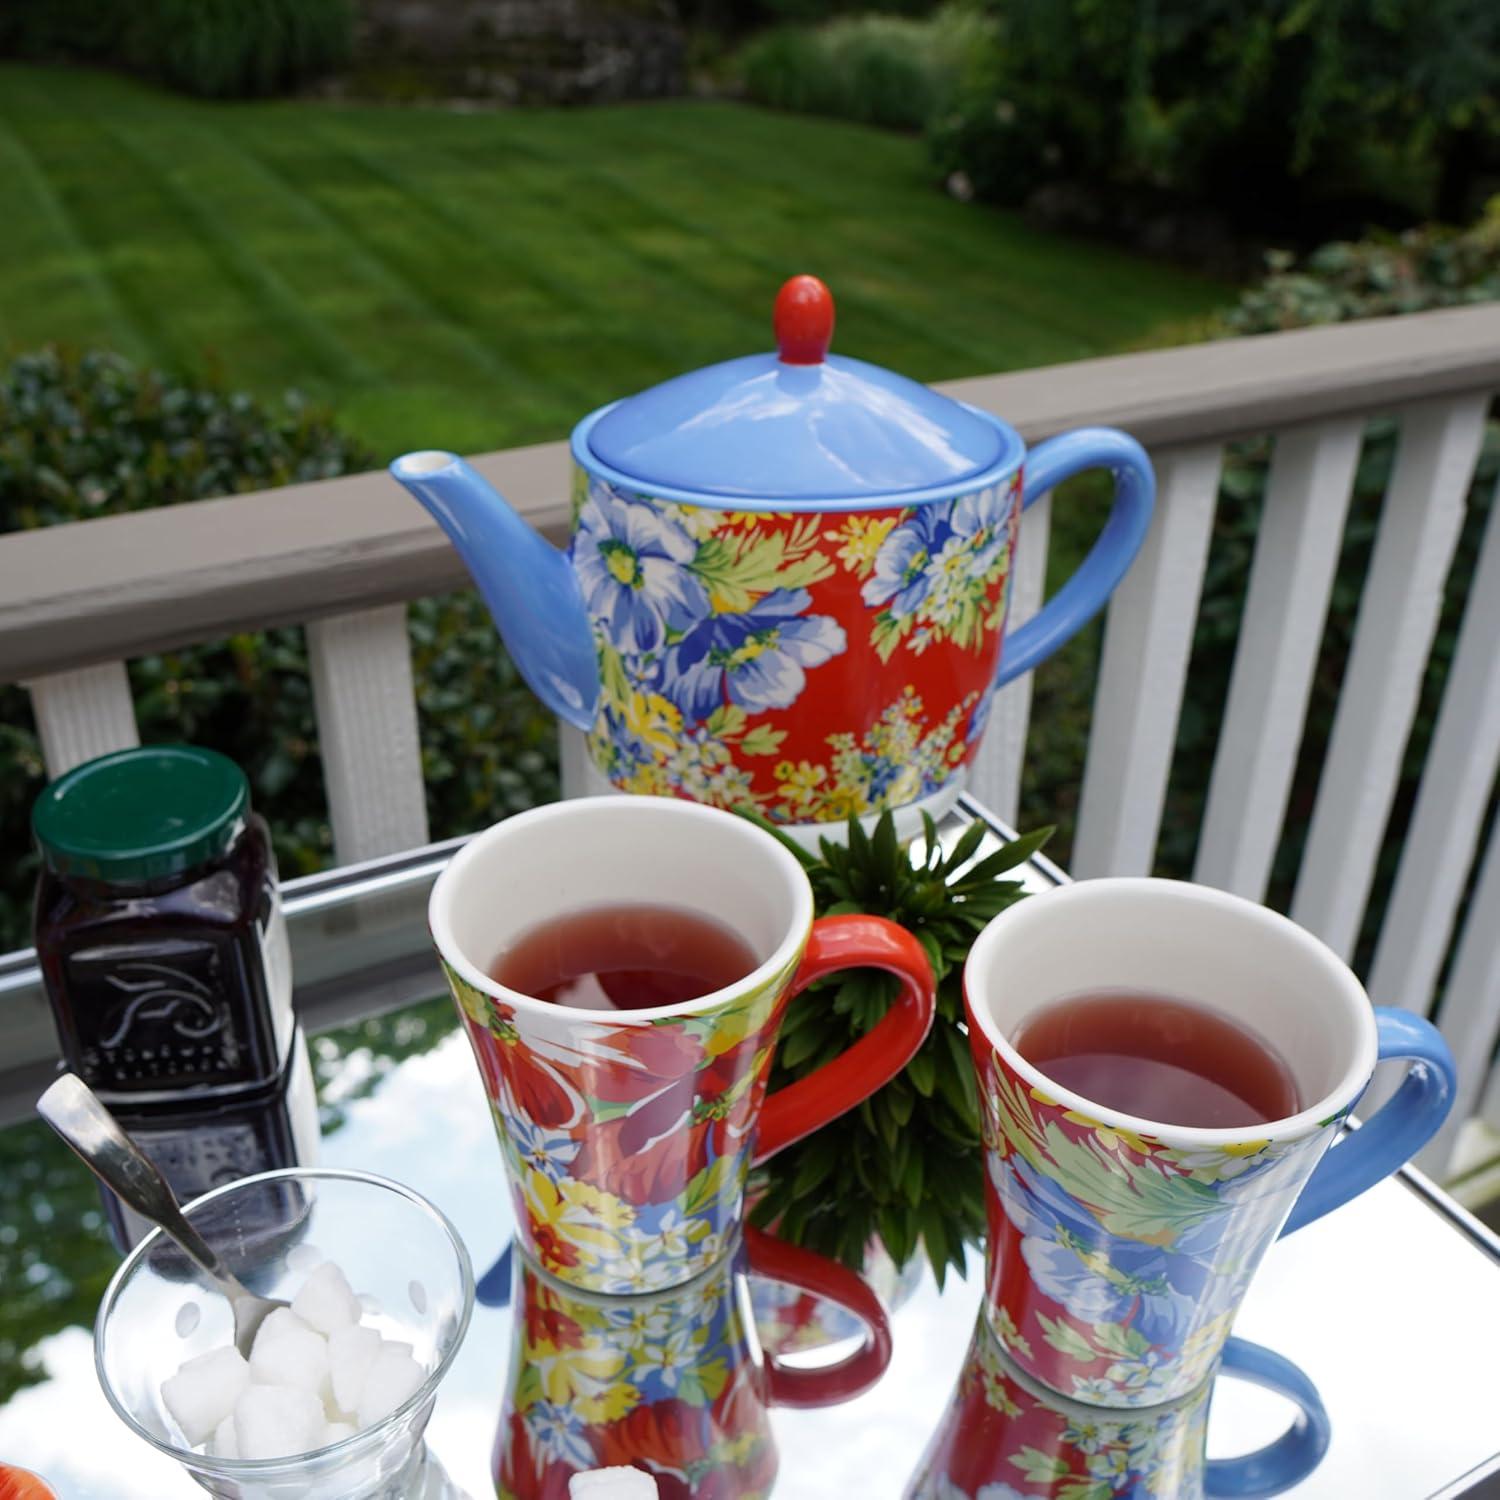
679, 304
275, 306
471, 261
423, 289
831, 240
1028, 291
161, 272
585, 300
79, 260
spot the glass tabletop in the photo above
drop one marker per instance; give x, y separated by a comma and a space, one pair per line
1392, 1306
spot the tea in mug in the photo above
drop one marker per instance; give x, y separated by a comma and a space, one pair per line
624, 957
1159, 1058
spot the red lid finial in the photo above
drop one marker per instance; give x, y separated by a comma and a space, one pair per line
803, 321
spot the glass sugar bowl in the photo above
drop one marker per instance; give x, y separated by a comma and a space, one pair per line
399, 1253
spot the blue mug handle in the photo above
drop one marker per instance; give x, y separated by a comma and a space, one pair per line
1295, 1454
1394, 1134
1088, 590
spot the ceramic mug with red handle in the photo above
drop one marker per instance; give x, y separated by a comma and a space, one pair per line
670, 1383
628, 1135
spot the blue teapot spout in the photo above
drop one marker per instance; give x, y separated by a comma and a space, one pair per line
528, 584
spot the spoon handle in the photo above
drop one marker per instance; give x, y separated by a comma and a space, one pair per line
73, 1110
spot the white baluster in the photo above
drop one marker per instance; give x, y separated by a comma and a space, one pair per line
1456, 780
82, 714
367, 729
1296, 555
1469, 1016
1147, 642
1398, 614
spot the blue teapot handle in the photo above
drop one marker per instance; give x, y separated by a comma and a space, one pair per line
1087, 591
1295, 1454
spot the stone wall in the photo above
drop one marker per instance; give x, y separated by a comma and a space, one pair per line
524, 51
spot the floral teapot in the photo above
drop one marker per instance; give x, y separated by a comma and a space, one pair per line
788, 577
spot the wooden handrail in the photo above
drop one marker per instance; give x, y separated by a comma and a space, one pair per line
123, 586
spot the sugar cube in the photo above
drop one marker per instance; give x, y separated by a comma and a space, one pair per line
316, 1376
224, 1444
278, 1321
393, 1376
351, 1352
619, 1483
277, 1421
203, 1392
302, 1259
326, 1301
287, 1352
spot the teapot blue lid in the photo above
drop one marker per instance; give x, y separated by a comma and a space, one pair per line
797, 425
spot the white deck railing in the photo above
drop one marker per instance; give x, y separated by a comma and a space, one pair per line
343, 556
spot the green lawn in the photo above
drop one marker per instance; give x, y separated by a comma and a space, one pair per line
472, 280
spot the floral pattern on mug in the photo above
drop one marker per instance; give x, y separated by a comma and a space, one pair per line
666, 1383
627, 1145
999, 1441
1116, 1262
805, 665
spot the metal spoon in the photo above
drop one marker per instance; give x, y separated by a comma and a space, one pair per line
73, 1110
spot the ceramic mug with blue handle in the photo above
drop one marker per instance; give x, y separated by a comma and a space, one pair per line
1121, 1247
786, 579
1005, 1436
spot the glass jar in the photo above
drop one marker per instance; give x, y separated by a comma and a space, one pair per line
159, 929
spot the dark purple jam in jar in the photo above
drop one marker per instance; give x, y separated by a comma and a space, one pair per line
159, 928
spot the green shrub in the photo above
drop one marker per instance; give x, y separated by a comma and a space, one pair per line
1427, 267
89, 434
218, 48
738, 17
1290, 117
876, 69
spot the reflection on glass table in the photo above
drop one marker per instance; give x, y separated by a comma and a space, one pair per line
1391, 1305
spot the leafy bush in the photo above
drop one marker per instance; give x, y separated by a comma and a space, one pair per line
879, 70
218, 48
89, 434
737, 17
1289, 116
1427, 267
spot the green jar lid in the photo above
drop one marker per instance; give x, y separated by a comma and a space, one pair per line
138, 815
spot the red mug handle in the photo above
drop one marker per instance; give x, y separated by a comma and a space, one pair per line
787, 1385
855, 941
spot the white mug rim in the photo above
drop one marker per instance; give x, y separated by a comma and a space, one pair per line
440, 925
1307, 1121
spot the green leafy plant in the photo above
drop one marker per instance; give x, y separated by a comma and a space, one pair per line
1427, 267
906, 1166
895, 71
217, 48
1298, 117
